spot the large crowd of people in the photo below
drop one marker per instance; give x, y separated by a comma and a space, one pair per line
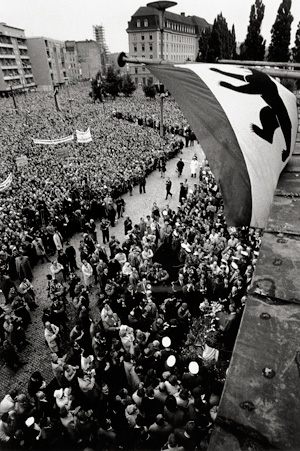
147, 371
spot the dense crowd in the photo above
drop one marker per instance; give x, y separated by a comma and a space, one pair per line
148, 373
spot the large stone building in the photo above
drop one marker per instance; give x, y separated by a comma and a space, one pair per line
181, 36
48, 58
16, 72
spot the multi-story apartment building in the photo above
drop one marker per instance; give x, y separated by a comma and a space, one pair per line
181, 36
89, 58
15, 66
48, 58
74, 71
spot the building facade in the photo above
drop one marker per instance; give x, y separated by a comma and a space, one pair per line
48, 58
181, 39
74, 71
16, 71
89, 58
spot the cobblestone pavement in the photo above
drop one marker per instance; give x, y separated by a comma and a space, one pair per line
36, 355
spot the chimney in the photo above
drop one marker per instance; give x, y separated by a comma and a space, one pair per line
182, 14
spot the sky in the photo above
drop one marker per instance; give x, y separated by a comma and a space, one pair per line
74, 19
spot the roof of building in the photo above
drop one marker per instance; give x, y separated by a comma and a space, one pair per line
153, 16
188, 20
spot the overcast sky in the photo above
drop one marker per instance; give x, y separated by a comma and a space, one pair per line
74, 19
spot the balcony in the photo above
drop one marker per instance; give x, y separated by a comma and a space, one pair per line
7, 55
11, 77
4, 45
28, 75
9, 66
24, 57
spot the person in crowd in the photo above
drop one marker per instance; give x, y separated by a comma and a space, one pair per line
118, 359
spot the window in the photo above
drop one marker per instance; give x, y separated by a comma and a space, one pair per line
143, 47
150, 81
143, 68
151, 57
150, 37
138, 23
136, 70
150, 47
146, 23
143, 37
136, 81
144, 80
135, 48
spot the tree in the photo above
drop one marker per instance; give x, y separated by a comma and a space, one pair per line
203, 45
128, 87
150, 90
281, 33
219, 43
113, 82
253, 48
296, 49
232, 44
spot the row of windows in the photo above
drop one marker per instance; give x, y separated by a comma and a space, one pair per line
143, 47
145, 23
179, 27
4, 51
5, 40
9, 62
10, 72
143, 37
173, 48
150, 80
171, 25
173, 38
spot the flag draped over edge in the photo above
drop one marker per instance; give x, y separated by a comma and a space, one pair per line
50, 142
246, 123
6, 184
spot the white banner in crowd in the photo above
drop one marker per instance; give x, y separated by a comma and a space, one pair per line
6, 184
54, 141
21, 161
84, 137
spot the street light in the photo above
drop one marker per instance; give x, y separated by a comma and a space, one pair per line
13, 97
161, 6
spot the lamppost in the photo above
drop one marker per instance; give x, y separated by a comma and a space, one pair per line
161, 6
13, 97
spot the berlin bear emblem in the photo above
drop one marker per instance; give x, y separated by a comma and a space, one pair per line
274, 115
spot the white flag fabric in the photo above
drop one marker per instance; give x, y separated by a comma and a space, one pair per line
84, 137
246, 123
6, 184
50, 142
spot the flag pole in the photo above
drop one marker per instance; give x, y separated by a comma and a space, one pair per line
280, 73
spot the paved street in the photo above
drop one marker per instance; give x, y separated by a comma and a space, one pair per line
36, 354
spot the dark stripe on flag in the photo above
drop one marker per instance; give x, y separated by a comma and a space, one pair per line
215, 134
